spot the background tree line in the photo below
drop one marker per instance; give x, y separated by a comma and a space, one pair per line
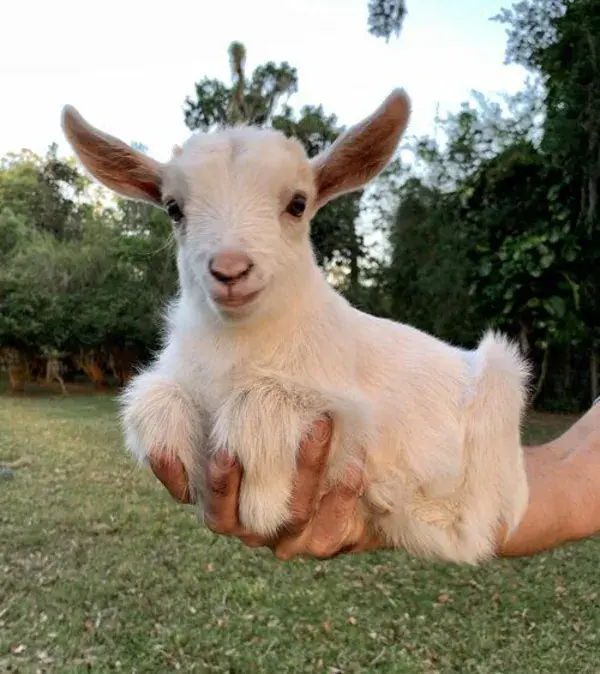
495, 222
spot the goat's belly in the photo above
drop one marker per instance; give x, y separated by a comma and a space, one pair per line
448, 469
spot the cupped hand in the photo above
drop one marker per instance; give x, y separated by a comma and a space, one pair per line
320, 527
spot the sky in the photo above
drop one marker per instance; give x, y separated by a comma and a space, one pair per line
128, 68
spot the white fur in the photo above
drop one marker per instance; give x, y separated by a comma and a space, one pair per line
441, 425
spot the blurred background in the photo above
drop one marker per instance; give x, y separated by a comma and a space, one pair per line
488, 216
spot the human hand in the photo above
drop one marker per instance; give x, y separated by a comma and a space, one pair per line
320, 528
169, 470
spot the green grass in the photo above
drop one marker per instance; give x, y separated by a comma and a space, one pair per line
100, 570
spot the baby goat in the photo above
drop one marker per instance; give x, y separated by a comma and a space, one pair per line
259, 346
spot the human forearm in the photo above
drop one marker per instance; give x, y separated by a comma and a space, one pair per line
548, 520
564, 483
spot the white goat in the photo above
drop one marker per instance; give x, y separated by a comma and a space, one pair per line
259, 346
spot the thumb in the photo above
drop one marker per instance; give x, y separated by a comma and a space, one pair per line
169, 470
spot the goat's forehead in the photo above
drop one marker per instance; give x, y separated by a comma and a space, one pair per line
265, 157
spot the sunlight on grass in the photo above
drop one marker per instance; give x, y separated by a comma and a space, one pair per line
100, 569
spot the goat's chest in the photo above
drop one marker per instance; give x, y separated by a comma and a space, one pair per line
214, 369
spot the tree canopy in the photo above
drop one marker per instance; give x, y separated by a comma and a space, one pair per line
494, 223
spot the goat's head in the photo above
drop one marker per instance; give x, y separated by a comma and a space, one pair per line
241, 199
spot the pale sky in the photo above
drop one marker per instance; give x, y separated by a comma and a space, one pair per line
128, 68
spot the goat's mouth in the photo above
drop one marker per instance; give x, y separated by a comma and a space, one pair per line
232, 301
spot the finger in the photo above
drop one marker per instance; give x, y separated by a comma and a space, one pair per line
171, 473
335, 524
364, 542
223, 483
312, 458
254, 540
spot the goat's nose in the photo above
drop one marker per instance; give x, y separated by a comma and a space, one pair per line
230, 267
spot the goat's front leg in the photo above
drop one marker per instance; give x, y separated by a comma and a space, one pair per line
158, 416
262, 426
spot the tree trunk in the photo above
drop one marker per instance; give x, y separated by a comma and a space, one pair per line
568, 374
17, 367
542, 378
592, 200
17, 376
89, 364
95, 373
53, 368
523, 339
120, 362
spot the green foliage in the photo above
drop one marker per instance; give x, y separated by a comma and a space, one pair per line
386, 17
96, 287
499, 226
559, 40
13, 233
43, 191
525, 255
253, 101
426, 275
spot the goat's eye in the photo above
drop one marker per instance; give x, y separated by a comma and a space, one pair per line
175, 213
297, 205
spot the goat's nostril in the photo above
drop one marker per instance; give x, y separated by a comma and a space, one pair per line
230, 267
229, 278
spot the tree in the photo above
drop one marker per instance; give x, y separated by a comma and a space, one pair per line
485, 235
427, 275
386, 17
44, 191
253, 101
559, 40
76, 277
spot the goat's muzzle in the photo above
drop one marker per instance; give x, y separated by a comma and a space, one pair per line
233, 283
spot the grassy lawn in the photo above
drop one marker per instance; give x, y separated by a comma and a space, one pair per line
100, 570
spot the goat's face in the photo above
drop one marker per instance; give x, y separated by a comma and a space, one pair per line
241, 202
241, 199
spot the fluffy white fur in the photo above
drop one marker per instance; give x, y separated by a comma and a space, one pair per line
441, 424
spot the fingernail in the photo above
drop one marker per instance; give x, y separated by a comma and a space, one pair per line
224, 460
321, 431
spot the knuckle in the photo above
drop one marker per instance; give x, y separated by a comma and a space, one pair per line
218, 526
353, 484
321, 431
219, 483
322, 549
252, 541
299, 518
182, 494
347, 493
313, 456
283, 554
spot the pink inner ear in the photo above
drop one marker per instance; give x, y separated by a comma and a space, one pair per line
115, 164
129, 172
123, 169
363, 151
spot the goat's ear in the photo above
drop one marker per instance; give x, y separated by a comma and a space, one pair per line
363, 151
112, 162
